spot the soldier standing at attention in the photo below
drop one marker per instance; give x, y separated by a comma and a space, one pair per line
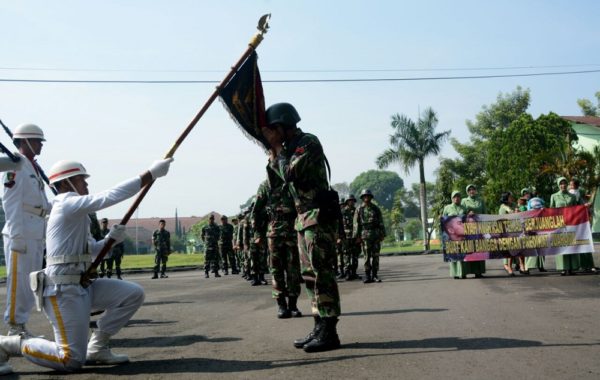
25, 206
351, 248
339, 245
283, 246
162, 245
226, 246
369, 231
236, 226
299, 160
473, 204
116, 256
210, 237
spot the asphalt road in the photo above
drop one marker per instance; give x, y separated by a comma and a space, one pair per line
417, 324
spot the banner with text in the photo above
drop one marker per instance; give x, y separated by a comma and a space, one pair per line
543, 232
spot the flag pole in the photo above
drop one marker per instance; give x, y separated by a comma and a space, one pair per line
263, 26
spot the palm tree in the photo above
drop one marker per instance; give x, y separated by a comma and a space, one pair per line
410, 144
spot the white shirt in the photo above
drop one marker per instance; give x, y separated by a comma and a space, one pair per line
68, 230
24, 187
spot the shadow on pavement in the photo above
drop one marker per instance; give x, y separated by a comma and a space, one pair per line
147, 322
400, 311
158, 303
453, 342
169, 341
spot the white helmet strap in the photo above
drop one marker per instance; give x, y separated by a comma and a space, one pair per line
71, 184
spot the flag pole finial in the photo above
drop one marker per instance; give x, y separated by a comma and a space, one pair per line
263, 27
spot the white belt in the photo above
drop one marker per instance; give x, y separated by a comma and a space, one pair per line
35, 210
64, 279
68, 259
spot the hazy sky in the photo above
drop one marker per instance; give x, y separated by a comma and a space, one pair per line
117, 130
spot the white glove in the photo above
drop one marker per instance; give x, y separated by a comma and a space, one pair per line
117, 233
18, 245
7, 164
160, 168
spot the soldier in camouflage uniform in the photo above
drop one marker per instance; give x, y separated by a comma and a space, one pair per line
235, 221
370, 232
210, 237
339, 246
298, 159
351, 248
226, 246
258, 248
283, 245
162, 245
245, 236
99, 231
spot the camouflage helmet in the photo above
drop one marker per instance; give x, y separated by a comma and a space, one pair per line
282, 113
366, 192
351, 198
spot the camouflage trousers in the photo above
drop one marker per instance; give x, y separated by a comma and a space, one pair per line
371, 248
317, 248
228, 257
211, 259
258, 259
350, 252
284, 261
160, 262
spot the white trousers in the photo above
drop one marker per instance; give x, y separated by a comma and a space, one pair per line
19, 297
69, 313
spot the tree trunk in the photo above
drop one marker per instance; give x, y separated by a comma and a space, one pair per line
423, 200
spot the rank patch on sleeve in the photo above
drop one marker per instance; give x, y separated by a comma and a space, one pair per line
9, 179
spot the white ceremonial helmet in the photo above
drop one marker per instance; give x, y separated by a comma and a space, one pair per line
28, 131
66, 169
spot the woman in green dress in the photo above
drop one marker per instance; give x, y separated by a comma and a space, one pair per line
566, 264
473, 204
457, 268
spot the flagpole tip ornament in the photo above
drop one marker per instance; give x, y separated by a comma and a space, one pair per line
263, 27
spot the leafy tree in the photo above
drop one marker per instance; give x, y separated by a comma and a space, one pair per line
530, 152
382, 183
471, 165
587, 108
410, 144
413, 227
343, 189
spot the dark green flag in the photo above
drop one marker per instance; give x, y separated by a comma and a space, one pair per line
244, 99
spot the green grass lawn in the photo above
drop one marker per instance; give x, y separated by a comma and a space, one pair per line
147, 261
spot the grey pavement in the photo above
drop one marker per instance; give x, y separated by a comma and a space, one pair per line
417, 324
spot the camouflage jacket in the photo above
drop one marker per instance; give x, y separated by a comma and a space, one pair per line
226, 235
210, 235
348, 220
95, 229
301, 164
368, 222
162, 241
258, 216
281, 210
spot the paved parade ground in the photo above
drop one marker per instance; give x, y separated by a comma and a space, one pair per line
417, 324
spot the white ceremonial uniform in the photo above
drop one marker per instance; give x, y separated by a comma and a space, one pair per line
67, 305
25, 206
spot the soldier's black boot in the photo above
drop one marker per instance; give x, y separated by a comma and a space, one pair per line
261, 278
293, 308
375, 278
108, 274
225, 271
282, 308
299, 343
348, 275
155, 275
206, 275
368, 278
255, 280
327, 339
217, 273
